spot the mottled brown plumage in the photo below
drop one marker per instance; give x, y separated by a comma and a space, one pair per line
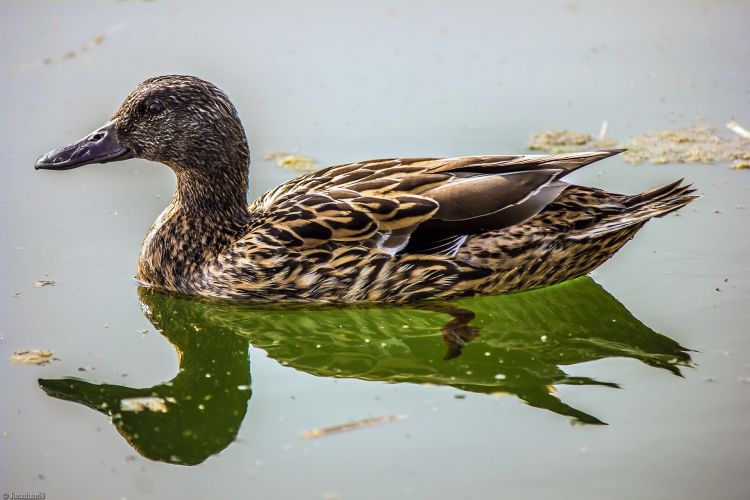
392, 230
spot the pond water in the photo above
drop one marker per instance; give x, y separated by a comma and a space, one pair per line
495, 396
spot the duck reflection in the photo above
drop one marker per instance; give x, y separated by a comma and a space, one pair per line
513, 344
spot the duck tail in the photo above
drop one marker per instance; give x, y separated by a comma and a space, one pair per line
573, 236
661, 201
636, 210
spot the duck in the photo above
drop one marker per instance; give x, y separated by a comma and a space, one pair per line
388, 231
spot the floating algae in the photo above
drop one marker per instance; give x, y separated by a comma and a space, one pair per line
693, 144
32, 357
297, 163
567, 141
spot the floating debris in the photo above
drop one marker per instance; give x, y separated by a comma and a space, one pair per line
32, 357
153, 403
738, 129
45, 283
67, 55
602, 131
693, 144
569, 141
296, 163
366, 422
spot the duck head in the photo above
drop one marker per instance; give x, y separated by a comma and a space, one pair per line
182, 121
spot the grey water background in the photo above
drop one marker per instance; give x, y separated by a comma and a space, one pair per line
344, 81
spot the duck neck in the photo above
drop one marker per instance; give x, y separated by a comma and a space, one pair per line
207, 214
220, 195
212, 183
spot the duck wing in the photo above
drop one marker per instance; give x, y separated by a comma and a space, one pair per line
417, 205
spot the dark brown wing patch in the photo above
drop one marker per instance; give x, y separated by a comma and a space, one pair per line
317, 218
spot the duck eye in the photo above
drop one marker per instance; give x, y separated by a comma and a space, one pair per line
155, 107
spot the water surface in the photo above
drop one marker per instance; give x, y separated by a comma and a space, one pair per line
342, 82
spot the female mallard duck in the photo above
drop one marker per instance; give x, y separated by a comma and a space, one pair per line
394, 230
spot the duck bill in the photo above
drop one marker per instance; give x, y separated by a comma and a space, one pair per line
100, 146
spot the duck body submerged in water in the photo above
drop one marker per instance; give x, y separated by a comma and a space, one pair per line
391, 230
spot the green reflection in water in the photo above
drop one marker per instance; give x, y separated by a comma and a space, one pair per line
512, 344
205, 403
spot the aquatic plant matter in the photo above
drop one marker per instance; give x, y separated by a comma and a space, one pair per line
567, 141
693, 144
32, 357
293, 162
698, 143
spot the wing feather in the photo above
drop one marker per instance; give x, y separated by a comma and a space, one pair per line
420, 205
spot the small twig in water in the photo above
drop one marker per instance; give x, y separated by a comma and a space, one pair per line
366, 422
